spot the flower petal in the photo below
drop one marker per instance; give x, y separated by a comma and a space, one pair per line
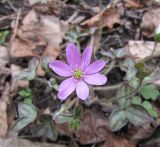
73, 55
95, 79
95, 67
60, 68
82, 90
86, 57
66, 88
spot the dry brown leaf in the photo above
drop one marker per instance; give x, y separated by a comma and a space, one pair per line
136, 135
93, 128
13, 142
38, 35
4, 57
133, 4
142, 49
117, 142
3, 118
17, 83
150, 20
155, 142
4, 101
109, 17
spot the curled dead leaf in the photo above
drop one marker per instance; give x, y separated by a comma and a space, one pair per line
109, 16
142, 49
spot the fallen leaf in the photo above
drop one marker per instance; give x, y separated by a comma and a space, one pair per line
109, 16
4, 57
133, 4
150, 21
3, 119
114, 141
14, 142
30, 72
92, 128
39, 35
138, 134
4, 101
142, 49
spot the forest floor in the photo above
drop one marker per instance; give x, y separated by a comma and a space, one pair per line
124, 112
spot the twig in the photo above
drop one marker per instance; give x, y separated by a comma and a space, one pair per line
16, 25
10, 4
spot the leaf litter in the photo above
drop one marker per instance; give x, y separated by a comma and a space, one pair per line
122, 34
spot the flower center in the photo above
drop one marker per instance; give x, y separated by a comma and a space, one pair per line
78, 73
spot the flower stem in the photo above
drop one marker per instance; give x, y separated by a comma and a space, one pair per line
109, 68
108, 87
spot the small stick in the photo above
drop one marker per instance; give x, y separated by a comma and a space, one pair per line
16, 26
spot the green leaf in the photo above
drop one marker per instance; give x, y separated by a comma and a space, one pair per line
123, 90
47, 129
136, 100
149, 92
120, 53
128, 66
137, 115
153, 113
3, 36
117, 120
147, 105
30, 72
78, 111
142, 70
25, 92
74, 124
62, 118
27, 113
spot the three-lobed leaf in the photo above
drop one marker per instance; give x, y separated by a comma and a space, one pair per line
27, 113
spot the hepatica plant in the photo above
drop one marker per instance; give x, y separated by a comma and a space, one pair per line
79, 71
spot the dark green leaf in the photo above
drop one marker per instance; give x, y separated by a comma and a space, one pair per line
122, 91
117, 120
128, 66
27, 113
62, 118
29, 73
47, 129
78, 111
137, 115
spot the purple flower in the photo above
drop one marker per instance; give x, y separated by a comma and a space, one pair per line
79, 72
